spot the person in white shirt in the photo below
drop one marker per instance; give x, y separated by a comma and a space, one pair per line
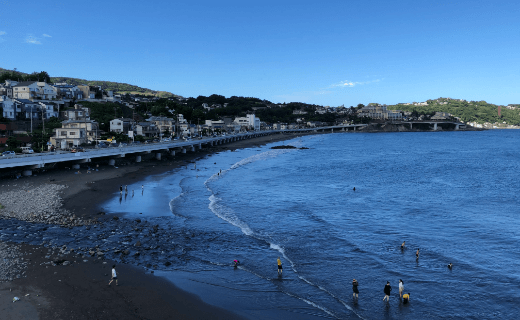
114, 275
401, 288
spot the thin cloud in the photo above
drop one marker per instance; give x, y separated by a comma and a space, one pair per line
350, 84
46, 35
32, 40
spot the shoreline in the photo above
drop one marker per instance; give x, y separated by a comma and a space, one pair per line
79, 290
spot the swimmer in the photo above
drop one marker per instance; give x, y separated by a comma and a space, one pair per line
401, 288
450, 265
402, 244
355, 284
406, 297
280, 270
236, 263
417, 254
354, 189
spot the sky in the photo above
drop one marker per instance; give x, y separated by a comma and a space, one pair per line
328, 53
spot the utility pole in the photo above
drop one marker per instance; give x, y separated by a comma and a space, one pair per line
43, 124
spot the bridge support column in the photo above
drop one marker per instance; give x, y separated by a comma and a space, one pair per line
75, 166
434, 126
111, 162
192, 149
457, 127
200, 146
158, 156
410, 126
138, 159
183, 150
27, 173
172, 153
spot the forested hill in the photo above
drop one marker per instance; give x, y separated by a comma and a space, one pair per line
106, 85
467, 111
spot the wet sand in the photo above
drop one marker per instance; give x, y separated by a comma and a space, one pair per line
80, 290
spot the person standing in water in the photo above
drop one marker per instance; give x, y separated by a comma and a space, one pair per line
417, 254
280, 270
387, 291
401, 288
402, 245
355, 285
121, 189
406, 298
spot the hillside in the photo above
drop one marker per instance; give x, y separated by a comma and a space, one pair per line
467, 111
106, 85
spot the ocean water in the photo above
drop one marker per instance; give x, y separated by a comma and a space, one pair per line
454, 195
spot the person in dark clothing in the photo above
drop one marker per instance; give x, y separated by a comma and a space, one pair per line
355, 284
387, 291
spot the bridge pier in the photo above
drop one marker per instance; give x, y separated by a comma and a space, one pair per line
27, 173
457, 127
192, 149
434, 126
137, 158
158, 156
183, 150
111, 162
75, 166
172, 153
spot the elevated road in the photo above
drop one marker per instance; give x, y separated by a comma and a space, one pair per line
39, 160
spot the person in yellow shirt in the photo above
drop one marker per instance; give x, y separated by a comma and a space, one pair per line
406, 297
280, 270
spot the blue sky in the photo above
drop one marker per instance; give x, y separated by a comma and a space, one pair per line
328, 52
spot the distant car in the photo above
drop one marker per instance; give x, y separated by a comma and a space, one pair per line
77, 149
103, 145
166, 139
27, 150
8, 153
155, 140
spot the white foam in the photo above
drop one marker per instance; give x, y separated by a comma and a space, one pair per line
227, 214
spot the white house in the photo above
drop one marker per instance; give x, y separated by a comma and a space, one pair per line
122, 125
250, 121
34, 90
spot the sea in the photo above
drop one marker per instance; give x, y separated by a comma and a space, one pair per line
452, 195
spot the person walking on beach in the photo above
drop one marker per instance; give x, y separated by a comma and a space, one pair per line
280, 270
126, 188
355, 284
401, 288
114, 275
417, 254
121, 189
387, 291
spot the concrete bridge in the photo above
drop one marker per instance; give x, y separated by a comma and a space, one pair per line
432, 124
27, 162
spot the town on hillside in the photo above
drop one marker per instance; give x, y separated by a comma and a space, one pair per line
43, 116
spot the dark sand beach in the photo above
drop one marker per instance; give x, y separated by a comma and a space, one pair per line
80, 289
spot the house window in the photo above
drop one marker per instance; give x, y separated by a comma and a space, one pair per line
63, 133
72, 133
